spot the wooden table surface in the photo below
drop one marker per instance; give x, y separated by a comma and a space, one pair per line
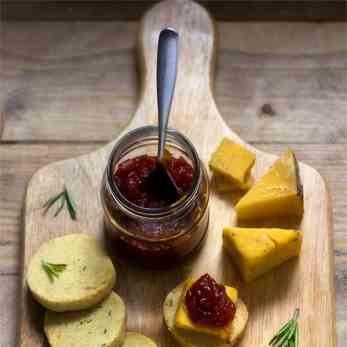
69, 87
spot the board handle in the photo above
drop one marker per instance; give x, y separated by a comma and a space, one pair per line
192, 101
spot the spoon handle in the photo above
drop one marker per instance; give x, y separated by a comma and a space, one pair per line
166, 79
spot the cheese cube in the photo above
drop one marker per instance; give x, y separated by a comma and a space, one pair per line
232, 161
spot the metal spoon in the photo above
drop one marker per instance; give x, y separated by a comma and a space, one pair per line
166, 80
159, 178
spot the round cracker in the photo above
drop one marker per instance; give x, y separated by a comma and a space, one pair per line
188, 338
103, 325
88, 278
133, 339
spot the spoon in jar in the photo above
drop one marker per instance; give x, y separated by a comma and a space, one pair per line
159, 179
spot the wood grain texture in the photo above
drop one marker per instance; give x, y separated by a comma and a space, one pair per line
78, 81
307, 283
275, 10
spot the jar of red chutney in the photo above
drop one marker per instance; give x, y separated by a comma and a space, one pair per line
143, 228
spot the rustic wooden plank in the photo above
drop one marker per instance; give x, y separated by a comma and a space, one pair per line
278, 10
77, 81
9, 294
24, 98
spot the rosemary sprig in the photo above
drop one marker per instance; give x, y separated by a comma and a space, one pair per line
62, 198
53, 270
288, 335
51, 201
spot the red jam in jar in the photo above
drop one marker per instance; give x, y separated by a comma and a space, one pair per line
131, 177
208, 303
145, 228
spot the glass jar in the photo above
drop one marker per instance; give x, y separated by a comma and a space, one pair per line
156, 236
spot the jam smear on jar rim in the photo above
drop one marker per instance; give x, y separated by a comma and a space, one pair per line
131, 176
208, 303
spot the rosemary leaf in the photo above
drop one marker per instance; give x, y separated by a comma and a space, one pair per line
291, 343
58, 267
292, 330
48, 271
70, 204
280, 332
62, 203
53, 270
282, 340
296, 314
71, 200
296, 336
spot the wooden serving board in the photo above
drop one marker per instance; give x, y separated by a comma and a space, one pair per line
307, 283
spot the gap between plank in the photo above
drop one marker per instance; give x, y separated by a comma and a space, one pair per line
101, 142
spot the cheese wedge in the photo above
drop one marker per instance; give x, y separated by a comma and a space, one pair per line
189, 338
183, 320
224, 185
278, 193
232, 161
257, 251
